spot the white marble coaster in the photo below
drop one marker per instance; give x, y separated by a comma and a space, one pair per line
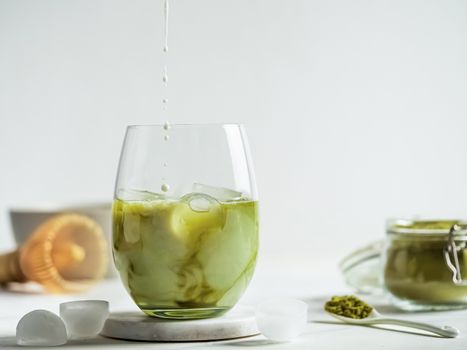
237, 323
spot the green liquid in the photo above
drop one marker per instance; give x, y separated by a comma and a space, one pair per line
182, 262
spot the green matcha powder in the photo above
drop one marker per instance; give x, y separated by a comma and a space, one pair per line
348, 306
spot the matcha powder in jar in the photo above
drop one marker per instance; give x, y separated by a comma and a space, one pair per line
425, 263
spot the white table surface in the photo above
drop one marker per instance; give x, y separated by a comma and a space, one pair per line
312, 282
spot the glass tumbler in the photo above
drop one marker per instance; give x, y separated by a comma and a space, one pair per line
185, 218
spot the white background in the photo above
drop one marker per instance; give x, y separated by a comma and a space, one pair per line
356, 110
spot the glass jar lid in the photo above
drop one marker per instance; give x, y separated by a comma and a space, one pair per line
427, 227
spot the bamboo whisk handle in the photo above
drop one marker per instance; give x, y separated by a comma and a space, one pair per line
10, 271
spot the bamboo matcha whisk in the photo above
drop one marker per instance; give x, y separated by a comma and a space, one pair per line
67, 253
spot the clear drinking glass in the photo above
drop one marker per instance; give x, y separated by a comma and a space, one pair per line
185, 218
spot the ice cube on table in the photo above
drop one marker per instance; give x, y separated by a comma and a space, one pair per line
220, 193
280, 319
41, 328
84, 318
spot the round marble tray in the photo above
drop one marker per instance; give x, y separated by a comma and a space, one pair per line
239, 322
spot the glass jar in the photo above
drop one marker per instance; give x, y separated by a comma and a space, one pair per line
424, 262
420, 266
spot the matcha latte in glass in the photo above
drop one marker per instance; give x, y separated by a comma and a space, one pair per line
185, 218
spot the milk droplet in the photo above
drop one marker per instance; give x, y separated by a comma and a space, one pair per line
166, 137
166, 125
165, 165
166, 17
165, 187
164, 100
165, 75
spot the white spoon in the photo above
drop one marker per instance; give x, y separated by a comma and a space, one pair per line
376, 318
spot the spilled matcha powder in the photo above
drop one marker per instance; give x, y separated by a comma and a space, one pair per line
348, 306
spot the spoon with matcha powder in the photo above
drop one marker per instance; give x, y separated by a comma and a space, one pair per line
350, 309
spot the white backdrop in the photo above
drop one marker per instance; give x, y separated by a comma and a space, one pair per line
356, 110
